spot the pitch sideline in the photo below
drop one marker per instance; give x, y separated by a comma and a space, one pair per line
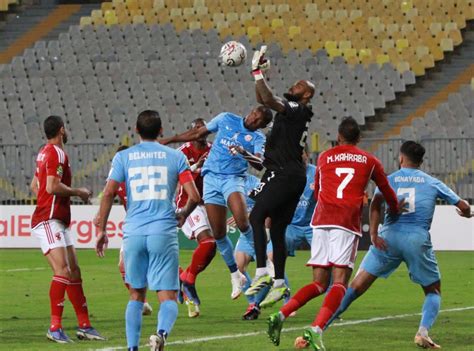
341, 324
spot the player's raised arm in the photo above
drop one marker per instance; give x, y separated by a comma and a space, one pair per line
189, 135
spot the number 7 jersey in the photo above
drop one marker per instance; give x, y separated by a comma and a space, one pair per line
151, 173
342, 176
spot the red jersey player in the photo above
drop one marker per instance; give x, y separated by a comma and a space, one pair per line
197, 225
342, 176
50, 221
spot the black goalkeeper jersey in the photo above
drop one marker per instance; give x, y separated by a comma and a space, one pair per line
285, 143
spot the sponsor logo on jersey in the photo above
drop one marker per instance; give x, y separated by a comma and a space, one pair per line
60, 170
293, 104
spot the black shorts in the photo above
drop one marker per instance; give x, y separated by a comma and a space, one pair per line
278, 194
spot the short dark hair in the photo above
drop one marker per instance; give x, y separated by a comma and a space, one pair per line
196, 121
266, 112
52, 125
414, 151
349, 130
149, 124
121, 148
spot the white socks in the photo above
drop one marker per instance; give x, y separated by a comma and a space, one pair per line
317, 330
278, 283
423, 331
260, 272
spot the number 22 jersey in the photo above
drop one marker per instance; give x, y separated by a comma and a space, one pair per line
151, 173
342, 176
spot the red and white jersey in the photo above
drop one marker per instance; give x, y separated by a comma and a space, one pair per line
342, 176
122, 194
52, 161
193, 155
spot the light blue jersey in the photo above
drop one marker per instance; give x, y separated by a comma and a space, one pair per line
420, 191
407, 236
251, 182
304, 210
150, 171
231, 131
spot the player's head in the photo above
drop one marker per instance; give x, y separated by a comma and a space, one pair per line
411, 154
302, 91
121, 148
149, 125
54, 127
348, 131
198, 123
258, 118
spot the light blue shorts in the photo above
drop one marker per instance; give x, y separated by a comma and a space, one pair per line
245, 246
297, 235
410, 245
217, 189
151, 261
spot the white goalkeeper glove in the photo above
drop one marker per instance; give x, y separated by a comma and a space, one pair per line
260, 63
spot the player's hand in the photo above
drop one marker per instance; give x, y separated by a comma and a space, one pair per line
180, 217
85, 195
465, 214
259, 61
379, 243
401, 207
236, 150
96, 219
101, 243
201, 160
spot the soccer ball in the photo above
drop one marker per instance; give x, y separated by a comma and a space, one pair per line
233, 53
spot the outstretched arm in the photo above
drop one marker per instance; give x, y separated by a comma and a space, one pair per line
265, 95
189, 135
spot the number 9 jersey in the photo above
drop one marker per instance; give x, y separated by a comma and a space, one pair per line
151, 173
342, 176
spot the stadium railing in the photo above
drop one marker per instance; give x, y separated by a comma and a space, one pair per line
449, 159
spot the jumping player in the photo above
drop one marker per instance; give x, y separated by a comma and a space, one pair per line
197, 225
50, 224
238, 143
342, 175
151, 173
407, 238
285, 177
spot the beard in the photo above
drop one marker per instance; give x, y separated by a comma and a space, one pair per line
65, 138
292, 97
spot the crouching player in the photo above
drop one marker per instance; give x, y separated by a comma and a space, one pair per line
196, 227
407, 238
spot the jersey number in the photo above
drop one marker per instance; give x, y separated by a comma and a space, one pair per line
304, 136
349, 175
145, 187
410, 199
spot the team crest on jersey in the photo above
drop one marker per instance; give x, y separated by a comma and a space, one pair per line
248, 138
196, 218
60, 170
57, 236
311, 186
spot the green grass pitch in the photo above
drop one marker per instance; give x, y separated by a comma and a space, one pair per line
24, 308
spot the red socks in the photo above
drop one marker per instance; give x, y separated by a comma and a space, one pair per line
56, 298
305, 294
78, 300
330, 305
202, 256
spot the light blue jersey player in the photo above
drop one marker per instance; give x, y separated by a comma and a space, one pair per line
151, 173
406, 238
299, 230
237, 143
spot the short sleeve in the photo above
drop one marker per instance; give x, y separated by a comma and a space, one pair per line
55, 164
446, 193
117, 172
184, 172
213, 125
259, 144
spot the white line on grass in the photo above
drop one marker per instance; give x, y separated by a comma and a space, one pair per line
23, 269
341, 324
